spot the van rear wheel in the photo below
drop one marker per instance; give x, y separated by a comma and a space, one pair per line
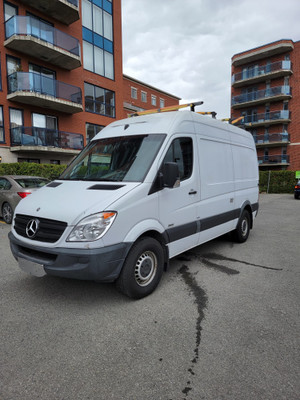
243, 228
142, 269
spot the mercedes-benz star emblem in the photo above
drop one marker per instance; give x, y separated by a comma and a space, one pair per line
32, 228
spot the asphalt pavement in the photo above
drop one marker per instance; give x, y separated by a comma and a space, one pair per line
222, 325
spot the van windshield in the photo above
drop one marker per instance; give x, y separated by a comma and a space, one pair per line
125, 158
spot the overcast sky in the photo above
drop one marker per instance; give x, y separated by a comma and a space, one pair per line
184, 47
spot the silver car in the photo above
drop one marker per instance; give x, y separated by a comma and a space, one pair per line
14, 188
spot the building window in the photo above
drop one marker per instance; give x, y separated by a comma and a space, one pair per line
9, 11
91, 131
153, 100
98, 100
44, 129
16, 124
97, 34
144, 97
133, 93
29, 160
161, 103
2, 136
56, 162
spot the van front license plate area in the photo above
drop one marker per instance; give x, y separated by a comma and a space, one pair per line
31, 268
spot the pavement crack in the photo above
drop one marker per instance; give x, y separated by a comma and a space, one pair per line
200, 299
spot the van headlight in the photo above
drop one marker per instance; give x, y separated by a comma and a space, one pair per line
92, 227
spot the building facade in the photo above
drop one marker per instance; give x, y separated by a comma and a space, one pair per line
266, 92
61, 76
139, 96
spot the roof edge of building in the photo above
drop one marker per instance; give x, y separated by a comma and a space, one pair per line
150, 86
262, 46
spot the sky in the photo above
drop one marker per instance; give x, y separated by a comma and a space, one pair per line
184, 47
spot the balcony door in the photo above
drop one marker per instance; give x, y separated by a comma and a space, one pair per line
42, 80
16, 124
44, 128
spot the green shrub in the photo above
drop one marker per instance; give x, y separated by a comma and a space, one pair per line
277, 181
50, 171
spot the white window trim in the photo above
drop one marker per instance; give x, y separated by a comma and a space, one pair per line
132, 91
142, 95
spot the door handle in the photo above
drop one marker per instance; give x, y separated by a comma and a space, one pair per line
193, 191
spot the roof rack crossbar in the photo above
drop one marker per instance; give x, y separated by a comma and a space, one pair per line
168, 108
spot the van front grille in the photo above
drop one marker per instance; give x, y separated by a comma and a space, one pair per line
49, 230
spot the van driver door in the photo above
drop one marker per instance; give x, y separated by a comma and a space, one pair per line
178, 206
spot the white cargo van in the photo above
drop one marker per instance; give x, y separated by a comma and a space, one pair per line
144, 190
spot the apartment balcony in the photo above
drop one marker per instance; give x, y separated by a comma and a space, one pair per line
273, 161
272, 139
41, 91
265, 52
42, 139
31, 36
250, 99
65, 11
268, 118
260, 74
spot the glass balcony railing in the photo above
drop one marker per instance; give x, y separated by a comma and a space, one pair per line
74, 2
266, 117
30, 26
274, 159
262, 70
282, 137
261, 94
36, 83
33, 136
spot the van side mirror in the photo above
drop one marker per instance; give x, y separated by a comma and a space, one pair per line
170, 175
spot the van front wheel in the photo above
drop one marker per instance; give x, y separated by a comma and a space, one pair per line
142, 269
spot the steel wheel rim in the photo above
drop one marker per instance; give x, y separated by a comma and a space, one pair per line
145, 268
244, 227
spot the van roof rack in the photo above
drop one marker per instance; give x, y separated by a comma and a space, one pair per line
169, 108
212, 113
233, 121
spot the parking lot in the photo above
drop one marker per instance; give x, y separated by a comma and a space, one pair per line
222, 325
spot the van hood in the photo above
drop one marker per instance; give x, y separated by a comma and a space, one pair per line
70, 201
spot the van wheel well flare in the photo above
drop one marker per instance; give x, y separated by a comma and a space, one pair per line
142, 269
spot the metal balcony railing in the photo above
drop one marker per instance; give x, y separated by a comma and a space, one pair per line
262, 70
261, 94
33, 136
37, 83
266, 117
274, 159
31, 26
282, 137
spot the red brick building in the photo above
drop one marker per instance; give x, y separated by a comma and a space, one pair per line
139, 96
266, 91
61, 76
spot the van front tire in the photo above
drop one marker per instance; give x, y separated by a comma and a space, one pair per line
243, 228
142, 268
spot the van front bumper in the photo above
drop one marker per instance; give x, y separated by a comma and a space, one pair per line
102, 264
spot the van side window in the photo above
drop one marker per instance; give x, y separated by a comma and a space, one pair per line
181, 152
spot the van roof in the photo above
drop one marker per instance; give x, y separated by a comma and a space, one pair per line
161, 123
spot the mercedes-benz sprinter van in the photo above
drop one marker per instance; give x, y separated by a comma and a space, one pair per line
144, 190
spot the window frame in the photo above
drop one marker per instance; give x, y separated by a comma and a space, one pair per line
134, 93
2, 124
104, 104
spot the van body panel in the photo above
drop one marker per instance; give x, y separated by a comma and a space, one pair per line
218, 171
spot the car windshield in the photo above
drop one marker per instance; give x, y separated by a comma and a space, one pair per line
126, 158
32, 182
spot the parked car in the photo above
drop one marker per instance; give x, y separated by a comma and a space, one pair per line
297, 190
14, 188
